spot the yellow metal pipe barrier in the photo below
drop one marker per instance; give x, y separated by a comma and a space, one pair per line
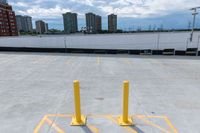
125, 120
125, 101
78, 119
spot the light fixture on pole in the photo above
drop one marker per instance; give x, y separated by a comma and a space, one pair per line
194, 19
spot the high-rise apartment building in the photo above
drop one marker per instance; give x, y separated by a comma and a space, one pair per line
112, 23
93, 23
40, 27
98, 23
24, 23
70, 22
46, 27
8, 26
90, 22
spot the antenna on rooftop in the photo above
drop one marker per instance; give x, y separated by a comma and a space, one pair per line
194, 19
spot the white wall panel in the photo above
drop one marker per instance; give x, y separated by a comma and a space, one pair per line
160, 41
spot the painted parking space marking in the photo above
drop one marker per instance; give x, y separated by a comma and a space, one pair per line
41, 123
55, 126
47, 119
98, 60
164, 118
93, 128
155, 125
170, 124
128, 62
68, 62
41, 59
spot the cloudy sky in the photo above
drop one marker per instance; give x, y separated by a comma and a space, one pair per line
131, 13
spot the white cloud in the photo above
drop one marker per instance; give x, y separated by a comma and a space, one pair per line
127, 2
84, 2
19, 4
124, 8
147, 8
38, 12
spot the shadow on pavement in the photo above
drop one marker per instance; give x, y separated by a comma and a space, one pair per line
137, 129
86, 129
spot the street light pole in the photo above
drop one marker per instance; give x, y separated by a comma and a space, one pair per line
194, 19
198, 45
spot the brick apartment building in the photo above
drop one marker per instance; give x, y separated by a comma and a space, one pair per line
8, 26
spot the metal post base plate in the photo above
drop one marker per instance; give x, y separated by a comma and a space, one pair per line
122, 123
76, 123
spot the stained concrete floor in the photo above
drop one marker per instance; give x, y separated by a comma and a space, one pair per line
164, 92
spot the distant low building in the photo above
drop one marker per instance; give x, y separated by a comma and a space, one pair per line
24, 23
70, 22
8, 26
112, 23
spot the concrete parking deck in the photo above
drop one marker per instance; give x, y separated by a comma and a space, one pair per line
36, 93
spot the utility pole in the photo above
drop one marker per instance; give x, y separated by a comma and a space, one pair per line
198, 45
194, 19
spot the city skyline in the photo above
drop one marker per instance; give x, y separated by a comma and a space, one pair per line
172, 13
133, 24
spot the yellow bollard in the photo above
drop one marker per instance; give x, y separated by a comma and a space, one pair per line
78, 119
125, 120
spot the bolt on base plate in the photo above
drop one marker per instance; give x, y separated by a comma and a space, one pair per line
76, 123
122, 123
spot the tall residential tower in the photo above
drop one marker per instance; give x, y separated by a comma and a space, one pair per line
112, 23
90, 22
70, 22
40, 27
93, 23
24, 23
98, 23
